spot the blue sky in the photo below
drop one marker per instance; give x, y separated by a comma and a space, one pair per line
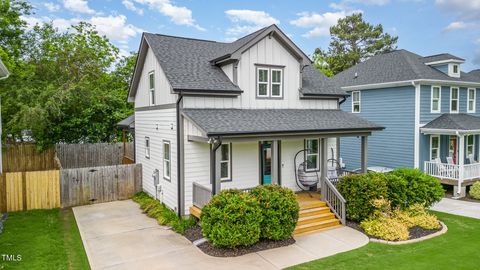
424, 27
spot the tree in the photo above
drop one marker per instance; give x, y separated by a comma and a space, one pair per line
354, 41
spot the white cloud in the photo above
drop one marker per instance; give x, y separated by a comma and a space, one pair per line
80, 6
51, 7
457, 25
345, 4
177, 14
247, 21
319, 23
130, 6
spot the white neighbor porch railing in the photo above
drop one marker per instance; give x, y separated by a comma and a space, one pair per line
452, 171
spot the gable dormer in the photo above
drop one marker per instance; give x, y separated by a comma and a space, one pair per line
446, 63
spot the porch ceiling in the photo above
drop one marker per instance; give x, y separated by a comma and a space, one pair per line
248, 122
452, 124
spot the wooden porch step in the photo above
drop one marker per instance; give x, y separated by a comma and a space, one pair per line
317, 230
312, 204
195, 211
304, 228
315, 218
314, 211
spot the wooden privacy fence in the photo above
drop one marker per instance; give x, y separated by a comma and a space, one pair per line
68, 187
90, 155
25, 157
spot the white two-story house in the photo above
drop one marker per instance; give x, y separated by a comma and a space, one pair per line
212, 115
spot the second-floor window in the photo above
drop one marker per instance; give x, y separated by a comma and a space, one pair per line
471, 100
436, 97
151, 87
454, 100
269, 82
356, 101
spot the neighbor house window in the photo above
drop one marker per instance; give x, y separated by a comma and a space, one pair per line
470, 145
151, 87
434, 147
225, 162
262, 82
166, 160
312, 155
454, 100
269, 82
471, 100
436, 97
147, 147
356, 101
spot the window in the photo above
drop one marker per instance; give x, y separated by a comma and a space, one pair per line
262, 83
471, 100
470, 145
455, 69
434, 147
166, 160
147, 147
276, 82
356, 101
436, 98
225, 162
454, 100
312, 154
151, 86
269, 82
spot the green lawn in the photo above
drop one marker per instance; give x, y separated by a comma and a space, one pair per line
45, 239
459, 248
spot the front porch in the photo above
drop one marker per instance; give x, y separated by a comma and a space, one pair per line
453, 150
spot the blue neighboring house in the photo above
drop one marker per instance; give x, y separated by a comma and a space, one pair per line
430, 110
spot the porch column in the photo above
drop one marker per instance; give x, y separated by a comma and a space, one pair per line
323, 165
364, 154
215, 166
459, 190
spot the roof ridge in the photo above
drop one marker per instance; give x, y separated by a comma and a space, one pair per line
188, 38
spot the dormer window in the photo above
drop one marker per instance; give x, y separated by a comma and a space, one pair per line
269, 82
455, 69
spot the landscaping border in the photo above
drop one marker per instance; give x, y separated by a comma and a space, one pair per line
411, 241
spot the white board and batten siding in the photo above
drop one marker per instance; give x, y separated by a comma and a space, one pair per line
268, 52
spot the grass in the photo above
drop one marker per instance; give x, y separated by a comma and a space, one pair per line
457, 249
165, 216
45, 239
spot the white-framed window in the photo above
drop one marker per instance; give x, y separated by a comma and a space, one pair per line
166, 160
454, 92
356, 100
472, 95
455, 69
434, 147
470, 145
436, 99
147, 147
277, 82
151, 87
312, 155
226, 162
262, 82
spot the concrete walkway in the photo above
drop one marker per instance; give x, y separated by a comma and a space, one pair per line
458, 207
118, 235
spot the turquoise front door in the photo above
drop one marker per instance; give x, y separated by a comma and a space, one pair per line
266, 162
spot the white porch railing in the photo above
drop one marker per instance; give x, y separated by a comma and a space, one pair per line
201, 195
452, 171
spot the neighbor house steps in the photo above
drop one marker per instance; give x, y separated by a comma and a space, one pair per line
315, 216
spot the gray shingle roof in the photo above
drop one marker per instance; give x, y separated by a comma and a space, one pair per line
217, 122
315, 82
441, 57
399, 65
461, 122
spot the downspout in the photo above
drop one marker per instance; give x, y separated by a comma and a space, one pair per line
215, 144
342, 101
179, 156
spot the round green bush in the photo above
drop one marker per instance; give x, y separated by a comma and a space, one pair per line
232, 218
421, 188
397, 188
475, 190
359, 190
279, 209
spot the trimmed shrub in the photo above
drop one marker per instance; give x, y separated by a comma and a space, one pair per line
397, 190
232, 218
421, 188
475, 190
386, 228
360, 190
279, 210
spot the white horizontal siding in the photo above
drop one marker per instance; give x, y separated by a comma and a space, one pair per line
159, 125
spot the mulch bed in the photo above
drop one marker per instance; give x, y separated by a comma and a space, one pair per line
415, 232
195, 233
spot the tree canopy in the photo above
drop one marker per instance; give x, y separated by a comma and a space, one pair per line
64, 86
353, 40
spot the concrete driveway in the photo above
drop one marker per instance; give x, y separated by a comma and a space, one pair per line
458, 207
117, 235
